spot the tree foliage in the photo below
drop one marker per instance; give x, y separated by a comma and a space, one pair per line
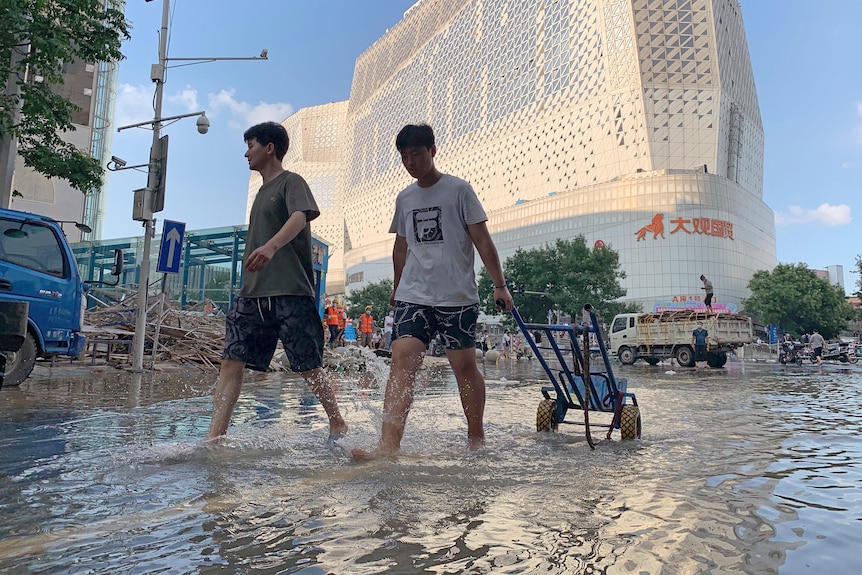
859, 273
57, 32
569, 273
795, 298
376, 295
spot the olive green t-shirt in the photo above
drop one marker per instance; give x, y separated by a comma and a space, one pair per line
290, 271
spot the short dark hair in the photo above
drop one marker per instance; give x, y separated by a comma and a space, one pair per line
415, 136
269, 133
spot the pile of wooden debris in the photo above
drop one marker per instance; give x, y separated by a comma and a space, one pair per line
190, 337
186, 337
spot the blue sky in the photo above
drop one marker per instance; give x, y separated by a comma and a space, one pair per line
806, 65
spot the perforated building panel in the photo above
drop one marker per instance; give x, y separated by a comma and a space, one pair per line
598, 117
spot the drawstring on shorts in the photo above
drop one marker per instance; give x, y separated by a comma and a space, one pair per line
268, 306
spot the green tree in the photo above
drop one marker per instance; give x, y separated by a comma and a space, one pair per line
376, 295
795, 298
859, 273
567, 274
56, 32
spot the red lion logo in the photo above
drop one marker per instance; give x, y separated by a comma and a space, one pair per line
656, 227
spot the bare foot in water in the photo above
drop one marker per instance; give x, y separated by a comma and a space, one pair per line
474, 443
373, 455
339, 430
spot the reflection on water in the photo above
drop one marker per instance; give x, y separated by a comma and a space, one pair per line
750, 469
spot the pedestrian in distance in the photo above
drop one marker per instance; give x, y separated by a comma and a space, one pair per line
366, 327
707, 287
276, 300
482, 340
506, 344
700, 341
341, 340
331, 316
438, 223
388, 322
816, 343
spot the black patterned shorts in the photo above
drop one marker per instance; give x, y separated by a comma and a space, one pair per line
456, 325
254, 326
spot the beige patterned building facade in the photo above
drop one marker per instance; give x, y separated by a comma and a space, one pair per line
317, 136
632, 122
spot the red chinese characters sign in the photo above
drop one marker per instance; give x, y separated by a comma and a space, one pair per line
704, 226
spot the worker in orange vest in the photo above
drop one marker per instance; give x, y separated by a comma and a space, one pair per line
332, 322
366, 327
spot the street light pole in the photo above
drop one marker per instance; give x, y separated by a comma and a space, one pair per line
156, 176
158, 76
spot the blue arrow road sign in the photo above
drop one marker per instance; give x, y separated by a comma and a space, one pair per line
171, 247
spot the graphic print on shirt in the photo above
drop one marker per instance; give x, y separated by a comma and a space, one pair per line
427, 227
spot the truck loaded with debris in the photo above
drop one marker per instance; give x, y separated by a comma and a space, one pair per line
654, 337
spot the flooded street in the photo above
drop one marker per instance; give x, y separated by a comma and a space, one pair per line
755, 468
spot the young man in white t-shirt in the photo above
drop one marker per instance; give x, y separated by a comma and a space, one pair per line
438, 223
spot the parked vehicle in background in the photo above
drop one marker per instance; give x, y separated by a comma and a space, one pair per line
840, 352
654, 337
37, 266
791, 352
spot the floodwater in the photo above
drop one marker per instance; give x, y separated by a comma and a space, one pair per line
755, 468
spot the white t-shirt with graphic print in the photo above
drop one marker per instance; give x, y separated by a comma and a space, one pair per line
439, 269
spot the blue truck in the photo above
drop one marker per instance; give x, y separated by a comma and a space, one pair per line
37, 266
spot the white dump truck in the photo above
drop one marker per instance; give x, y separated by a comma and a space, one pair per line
653, 337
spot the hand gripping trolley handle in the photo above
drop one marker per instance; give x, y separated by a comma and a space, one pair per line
600, 391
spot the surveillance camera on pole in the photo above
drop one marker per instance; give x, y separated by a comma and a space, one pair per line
203, 124
118, 162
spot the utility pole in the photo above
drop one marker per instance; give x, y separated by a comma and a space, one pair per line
144, 203
157, 74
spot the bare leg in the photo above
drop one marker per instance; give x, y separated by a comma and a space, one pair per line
407, 355
225, 396
471, 387
324, 388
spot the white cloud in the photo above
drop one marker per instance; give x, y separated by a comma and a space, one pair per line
187, 98
134, 104
825, 214
246, 114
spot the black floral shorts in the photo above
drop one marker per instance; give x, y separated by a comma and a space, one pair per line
456, 325
254, 326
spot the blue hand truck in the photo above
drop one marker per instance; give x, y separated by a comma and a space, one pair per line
599, 391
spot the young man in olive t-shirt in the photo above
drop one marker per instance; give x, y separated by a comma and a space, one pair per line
277, 297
